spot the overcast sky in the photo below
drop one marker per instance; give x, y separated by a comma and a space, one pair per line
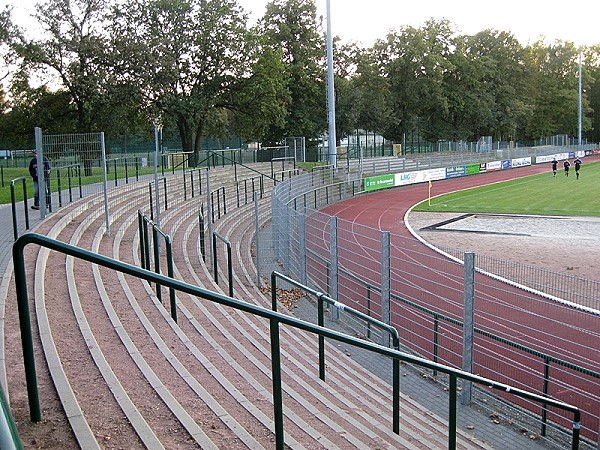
364, 21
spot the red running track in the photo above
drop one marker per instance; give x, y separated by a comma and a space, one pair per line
424, 277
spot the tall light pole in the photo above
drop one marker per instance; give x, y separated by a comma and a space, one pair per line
579, 115
156, 190
330, 92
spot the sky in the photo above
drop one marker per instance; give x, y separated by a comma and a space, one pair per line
365, 21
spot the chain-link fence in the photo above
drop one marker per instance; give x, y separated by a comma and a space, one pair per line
522, 339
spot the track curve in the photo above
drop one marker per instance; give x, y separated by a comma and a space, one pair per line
422, 275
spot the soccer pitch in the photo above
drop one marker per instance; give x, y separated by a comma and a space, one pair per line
540, 194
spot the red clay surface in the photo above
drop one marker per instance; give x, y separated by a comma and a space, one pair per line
421, 275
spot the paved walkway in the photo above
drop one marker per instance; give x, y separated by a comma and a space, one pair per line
7, 232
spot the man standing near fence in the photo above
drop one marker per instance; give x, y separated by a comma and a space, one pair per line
33, 171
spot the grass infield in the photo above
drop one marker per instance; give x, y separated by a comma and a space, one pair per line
540, 194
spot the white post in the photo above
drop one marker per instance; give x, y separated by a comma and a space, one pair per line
257, 239
580, 100
209, 215
156, 186
39, 155
330, 92
468, 325
334, 273
105, 182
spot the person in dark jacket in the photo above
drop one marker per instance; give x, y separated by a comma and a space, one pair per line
566, 165
33, 171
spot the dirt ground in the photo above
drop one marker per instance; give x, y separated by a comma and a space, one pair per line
566, 245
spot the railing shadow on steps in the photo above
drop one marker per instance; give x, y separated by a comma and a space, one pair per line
275, 319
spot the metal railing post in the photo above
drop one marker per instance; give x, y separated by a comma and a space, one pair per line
13, 200
35, 412
156, 248
334, 259
274, 318
170, 273
468, 324
229, 261
276, 375
321, 321
385, 284
202, 234
452, 412
258, 241
142, 239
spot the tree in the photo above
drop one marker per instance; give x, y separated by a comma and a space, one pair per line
593, 78
373, 90
35, 107
414, 63
292, 26
197, 65
556, 94
72, 51
8, 32
488, 88
347, 98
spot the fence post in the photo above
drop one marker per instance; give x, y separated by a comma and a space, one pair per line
335, 314
257, 239
209, 213
302, 245
184, 186
156, 186
39, 154
104, 182
468, 325
202, 241
284, 237
142, 243
385, 284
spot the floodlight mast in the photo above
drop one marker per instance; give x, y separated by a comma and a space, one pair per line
579, 114
330, 92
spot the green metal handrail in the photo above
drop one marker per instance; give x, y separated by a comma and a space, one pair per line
216, 236
283, 159
275, 319
212, 201
202, 232
235, 164
164, 179
143, 222
293, 201
548, 359
70, 170
9, 435
13, 201
321, 297
186, 159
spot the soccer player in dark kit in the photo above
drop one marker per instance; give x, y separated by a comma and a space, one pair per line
577, 163
554, 164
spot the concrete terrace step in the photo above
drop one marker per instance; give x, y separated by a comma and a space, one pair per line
227, 219
235, 221
206, 380
264, 368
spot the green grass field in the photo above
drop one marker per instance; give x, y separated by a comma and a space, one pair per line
540, 194
9, 174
